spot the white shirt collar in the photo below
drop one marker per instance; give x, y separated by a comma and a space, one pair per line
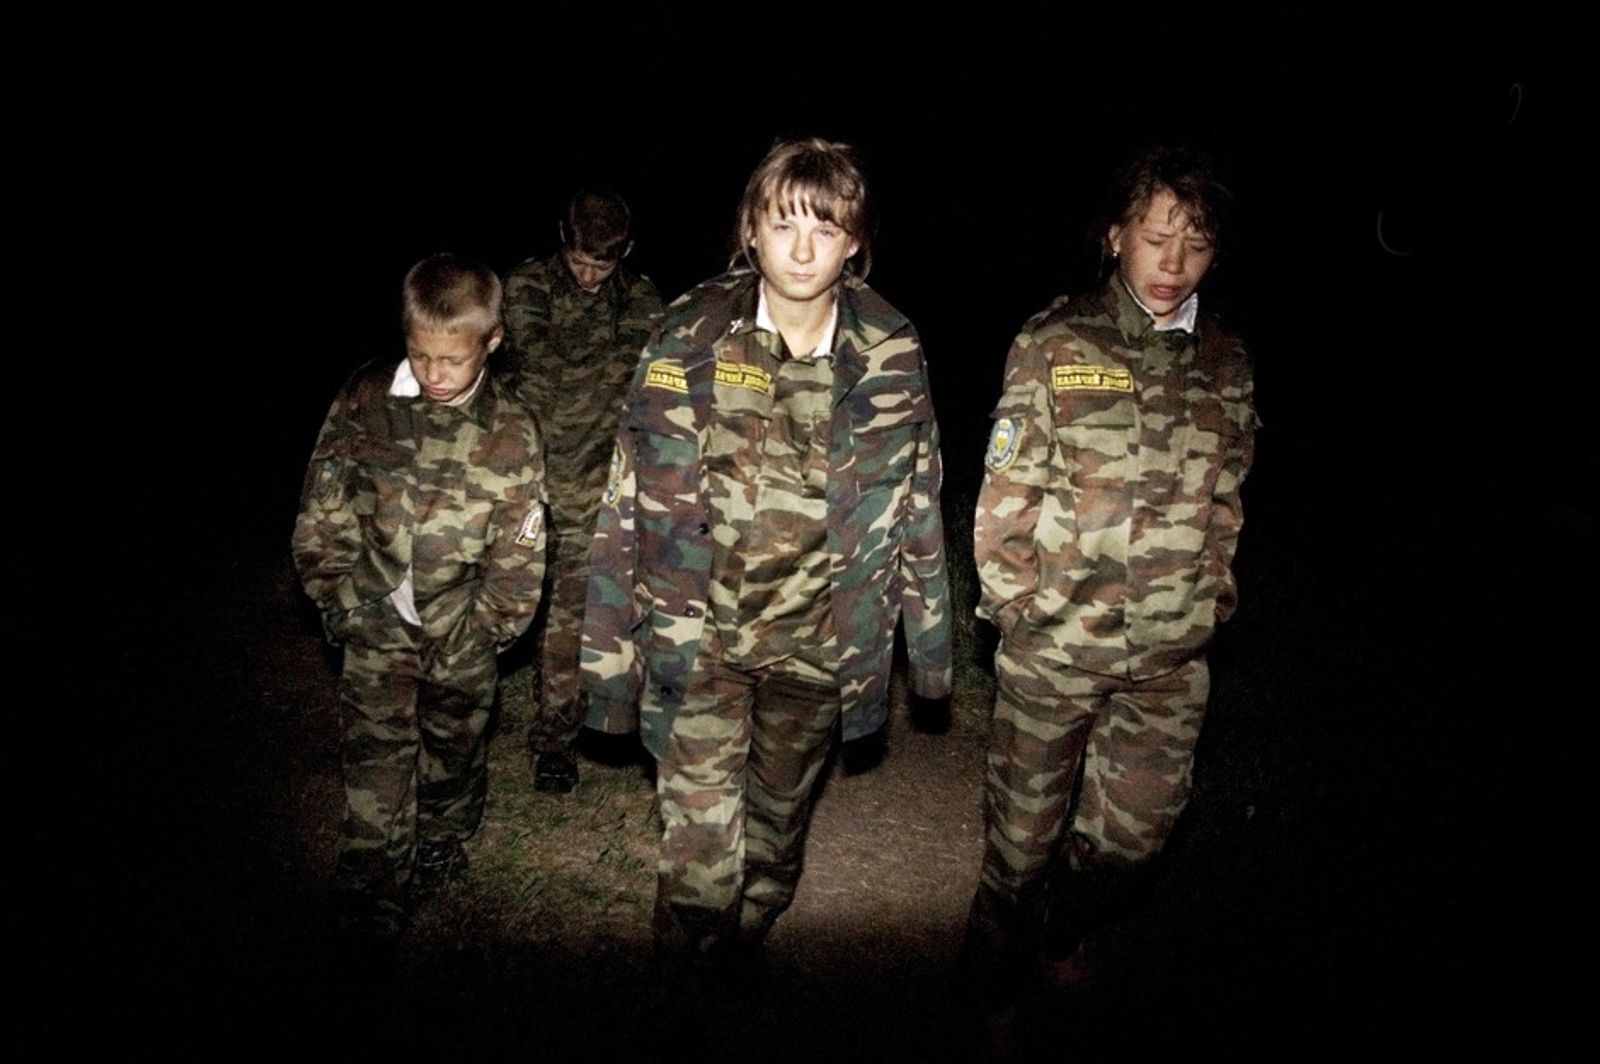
406, 385
824, 348
1184, 319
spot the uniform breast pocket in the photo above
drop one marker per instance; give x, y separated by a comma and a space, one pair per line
380, 470
736, 436
451, 531
666, 471
885, 426
1093, 433
885, 455
1211, 436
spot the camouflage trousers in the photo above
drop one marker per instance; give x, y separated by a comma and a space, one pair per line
736, 783
413, 758
1124, 749
558, 713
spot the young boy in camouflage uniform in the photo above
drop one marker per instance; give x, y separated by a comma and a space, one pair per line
577, 323
421, 539
1105, 536
773, 511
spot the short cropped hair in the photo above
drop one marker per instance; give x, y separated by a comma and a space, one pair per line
811, 175
1185, 172
451, 293
598, 224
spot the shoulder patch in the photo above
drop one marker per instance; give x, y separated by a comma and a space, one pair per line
1090, 379
1003, 442
532, 526
330, 482
739, 375
667, 374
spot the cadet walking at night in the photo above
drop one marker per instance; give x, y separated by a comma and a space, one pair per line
577, 323
772, 511
1105, 537
421, 540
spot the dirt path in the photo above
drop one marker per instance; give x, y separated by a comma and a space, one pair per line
546, 945
199, 921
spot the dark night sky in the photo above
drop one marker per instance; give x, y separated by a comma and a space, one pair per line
282, 185
259, 199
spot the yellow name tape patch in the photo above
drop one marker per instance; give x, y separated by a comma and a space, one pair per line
1090, 379
739, 375
668, 375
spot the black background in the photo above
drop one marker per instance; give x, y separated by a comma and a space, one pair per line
241, 198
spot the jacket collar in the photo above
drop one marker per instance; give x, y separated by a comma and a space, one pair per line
1135, 322
613, 289
404, 385
865, 321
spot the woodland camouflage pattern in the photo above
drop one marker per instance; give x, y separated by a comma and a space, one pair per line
735, 801
457, 494
654, 548
572, 354
770, 567
1108, 517
1104, 538
735, 781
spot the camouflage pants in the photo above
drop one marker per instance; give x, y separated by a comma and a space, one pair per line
414, 759
558, 713
736, 783
1125, 747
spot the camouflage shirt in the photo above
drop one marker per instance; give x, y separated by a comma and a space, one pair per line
1110, 510
454, 494
767, 473
571, 356
659, 526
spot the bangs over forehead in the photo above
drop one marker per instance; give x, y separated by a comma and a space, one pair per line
812, 176
1185, 173
823, 200
1191, 206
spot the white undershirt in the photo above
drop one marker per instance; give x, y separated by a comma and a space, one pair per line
1182, 318
406, 386
824, 348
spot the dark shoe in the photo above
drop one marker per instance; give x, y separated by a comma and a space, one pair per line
930, 716
438, 865
555, 772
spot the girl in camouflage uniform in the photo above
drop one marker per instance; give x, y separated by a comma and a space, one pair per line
1104, 538
773, 513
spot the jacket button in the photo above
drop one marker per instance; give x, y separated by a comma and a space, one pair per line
705, 529
690, 611
666, 691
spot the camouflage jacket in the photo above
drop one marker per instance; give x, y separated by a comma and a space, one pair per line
1109, 511
571, 356
652, 556
454, 493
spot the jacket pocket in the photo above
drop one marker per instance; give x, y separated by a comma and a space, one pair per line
1211, 437
885, 456
1093, 433
666, 460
